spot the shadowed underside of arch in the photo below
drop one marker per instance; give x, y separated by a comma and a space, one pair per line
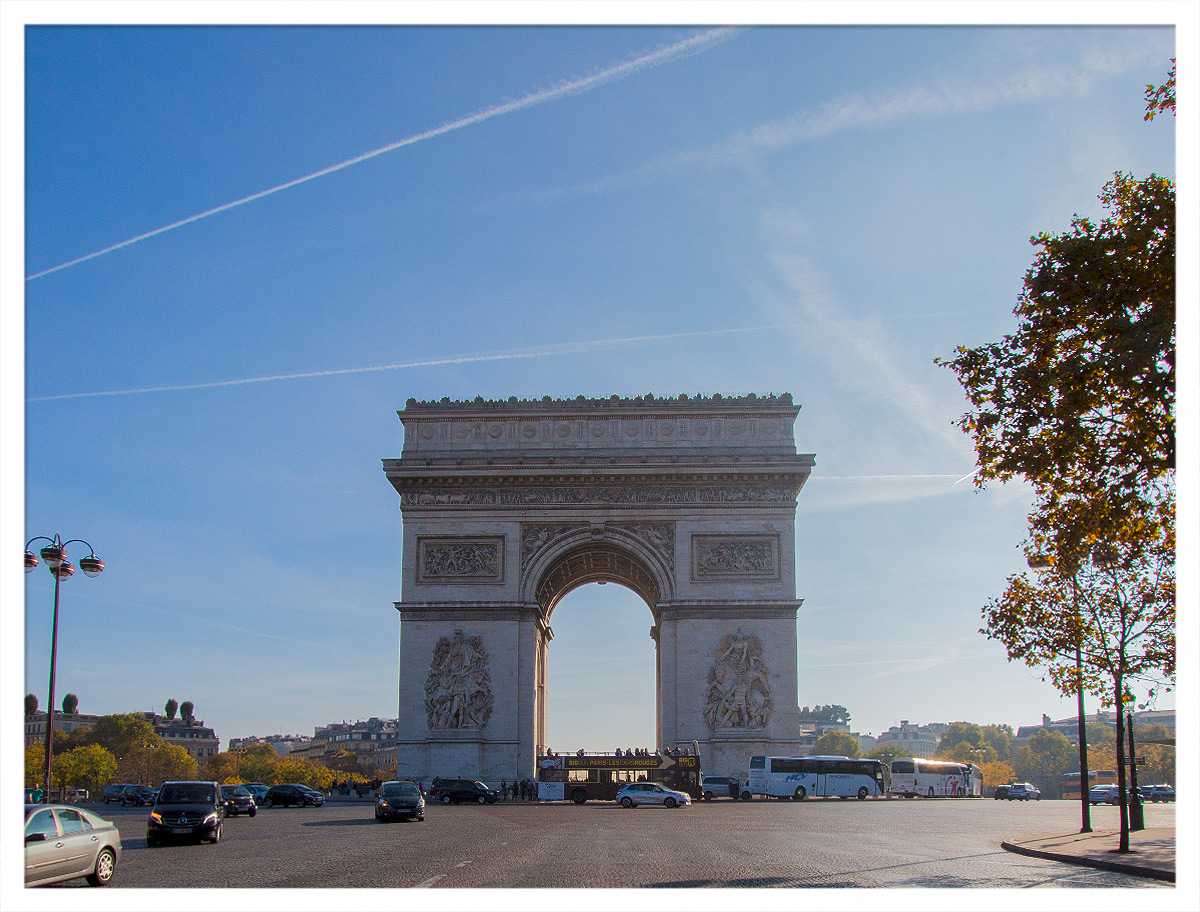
594, 563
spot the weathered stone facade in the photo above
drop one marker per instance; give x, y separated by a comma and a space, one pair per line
508, 506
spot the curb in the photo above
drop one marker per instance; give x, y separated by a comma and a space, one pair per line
1103, 864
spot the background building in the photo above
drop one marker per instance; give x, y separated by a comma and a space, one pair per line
191, 734
918, 740
35, 724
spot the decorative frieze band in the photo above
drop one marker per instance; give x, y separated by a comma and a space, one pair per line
735, 557
613, 495
460, 559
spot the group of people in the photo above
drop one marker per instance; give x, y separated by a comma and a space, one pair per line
645, 752
519, 790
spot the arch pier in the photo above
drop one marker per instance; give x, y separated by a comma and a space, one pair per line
508, 506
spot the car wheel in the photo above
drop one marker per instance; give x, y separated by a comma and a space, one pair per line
106, 865
151, 842
709, 796
862, 793
626, 802
445, 799
579, 796
482, 799
801, 793
253, 811
670, 802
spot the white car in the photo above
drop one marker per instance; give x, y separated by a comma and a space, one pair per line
651, 793
1024, 791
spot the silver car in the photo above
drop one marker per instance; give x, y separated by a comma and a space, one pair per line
651, 793
64, 842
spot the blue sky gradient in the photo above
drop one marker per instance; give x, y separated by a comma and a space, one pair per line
817, 210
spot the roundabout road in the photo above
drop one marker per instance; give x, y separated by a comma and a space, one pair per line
826, 843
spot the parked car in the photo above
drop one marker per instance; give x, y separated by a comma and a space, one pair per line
1103, 794
1024, 791
1001, 792
1162, 792
112, 793
651, 793
186, 810
293, 794
237, 800
720, 787
452, 791
399, 799
258, 791
138, 795
64, 842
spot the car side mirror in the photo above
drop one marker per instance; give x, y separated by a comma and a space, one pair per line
35, 837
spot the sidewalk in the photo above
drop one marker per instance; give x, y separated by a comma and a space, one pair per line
1151, 851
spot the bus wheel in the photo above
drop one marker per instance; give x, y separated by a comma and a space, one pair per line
862, 792
745, 796
626, 802
579, 796
709, 796
801, 793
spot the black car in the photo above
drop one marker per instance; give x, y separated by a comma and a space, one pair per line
137, 795
186, 810
293, 794
1001, 792
452, 791
237, 800
399, 799
112, 793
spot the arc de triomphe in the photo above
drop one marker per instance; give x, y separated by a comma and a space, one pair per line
508, 506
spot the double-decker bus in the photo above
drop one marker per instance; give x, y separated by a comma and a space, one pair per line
935, 778
588, 777
818, 777
1070, 782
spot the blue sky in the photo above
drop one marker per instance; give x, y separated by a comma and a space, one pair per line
817, 210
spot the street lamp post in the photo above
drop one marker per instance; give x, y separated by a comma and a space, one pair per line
1041, 563
55, 556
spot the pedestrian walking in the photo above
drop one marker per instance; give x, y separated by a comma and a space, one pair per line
503, 789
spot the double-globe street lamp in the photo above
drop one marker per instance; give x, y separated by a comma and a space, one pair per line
55, 556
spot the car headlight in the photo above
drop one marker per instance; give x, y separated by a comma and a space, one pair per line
382, 803
156, 816
211, 818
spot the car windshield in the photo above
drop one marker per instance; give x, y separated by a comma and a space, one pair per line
229, 790
398, 790
479, 785
186, 793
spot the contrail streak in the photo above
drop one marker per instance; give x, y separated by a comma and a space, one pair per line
563, 348
685, 48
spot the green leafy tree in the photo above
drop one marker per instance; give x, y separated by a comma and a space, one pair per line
967, 742
837, 744
1161, 98
1000, 737
833, 714
169, 761
132, 740
31, 704
1044, 760
35, 763
1080, 400
185, 710
68, 741
886, 753
996, 772
258, 763
89, 766
172, 707
70, 704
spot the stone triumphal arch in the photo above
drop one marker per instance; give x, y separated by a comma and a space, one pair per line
508, 506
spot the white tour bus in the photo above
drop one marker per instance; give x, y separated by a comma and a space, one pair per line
935, 778
820, 777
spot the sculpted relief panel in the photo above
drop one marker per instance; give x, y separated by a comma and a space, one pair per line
766, 493
460, 560
735, 557
739, 695
458, 691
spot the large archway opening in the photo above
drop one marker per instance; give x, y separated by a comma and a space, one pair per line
601, 683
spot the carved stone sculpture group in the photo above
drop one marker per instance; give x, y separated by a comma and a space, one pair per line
458, 691
739, 695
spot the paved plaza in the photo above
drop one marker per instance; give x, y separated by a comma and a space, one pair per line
827, 843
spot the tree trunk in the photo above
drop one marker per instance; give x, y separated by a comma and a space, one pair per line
1122, 806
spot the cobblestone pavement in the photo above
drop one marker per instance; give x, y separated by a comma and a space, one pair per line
830, 843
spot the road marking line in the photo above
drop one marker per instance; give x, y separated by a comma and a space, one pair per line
429, 883
462, 864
